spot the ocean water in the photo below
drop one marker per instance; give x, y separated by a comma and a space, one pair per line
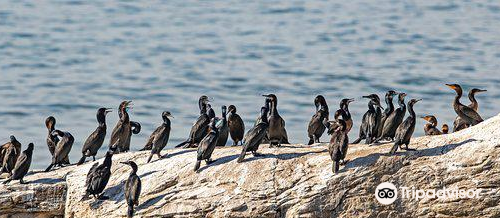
67, 58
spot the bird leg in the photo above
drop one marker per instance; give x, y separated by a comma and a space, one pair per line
93, 157
21, 181
209, 161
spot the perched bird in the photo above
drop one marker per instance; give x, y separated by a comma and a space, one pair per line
316, 128
460, 124
405, 129
9, 152
388, 110
22, 165
160, 135
63, 148
52, 140
236, 125
430, 128
223, 128
254, 136
132, 188
210, 112
276, 133
394, 119
346, 115
338, 146
467, 114
98, 177
207, 146
267, 104
444, 129
123, 129
95, 140
200, 127
371, 120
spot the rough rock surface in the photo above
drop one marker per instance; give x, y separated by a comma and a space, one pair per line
291, 181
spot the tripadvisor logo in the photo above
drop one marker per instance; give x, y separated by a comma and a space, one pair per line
386, 193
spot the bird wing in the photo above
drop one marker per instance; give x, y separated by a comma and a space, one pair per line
199, 128
403, 131
93, 139
205, 144
136, 189
117, 132
91, 174
314, 123
255, 135
471, 113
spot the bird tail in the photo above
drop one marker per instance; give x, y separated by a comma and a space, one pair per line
242, 155
7, 181
81, 160
182, 143
48, 168
150, 156
130, 211
146, 147
357, 141
197, 165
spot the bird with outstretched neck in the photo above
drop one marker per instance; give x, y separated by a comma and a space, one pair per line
388, 110
96, 139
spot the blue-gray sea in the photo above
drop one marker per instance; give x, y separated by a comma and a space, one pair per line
67, 58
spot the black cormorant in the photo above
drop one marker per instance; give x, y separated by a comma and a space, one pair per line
22, 165
316, 128
339, 144
132, 188
207, 146
123, 129
276, 133
371, 120
9, 152
405, 129
394, 120
63, 148
388, 110
254, 136
98, 177
200, 127
52, 140
223, 128
236, 125
161, 135
95, 140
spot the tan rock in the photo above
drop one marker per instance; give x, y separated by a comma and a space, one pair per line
291, 181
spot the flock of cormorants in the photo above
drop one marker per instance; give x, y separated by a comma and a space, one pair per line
210, 131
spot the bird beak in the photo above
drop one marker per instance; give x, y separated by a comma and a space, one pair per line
418, 100
265, 96
108, 110
451, 86
170, 116
350, 100
482, 90
366, 96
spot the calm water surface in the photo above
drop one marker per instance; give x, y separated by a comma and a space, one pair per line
67, 58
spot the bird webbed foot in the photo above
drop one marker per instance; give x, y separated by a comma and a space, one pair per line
102, 197
256, 154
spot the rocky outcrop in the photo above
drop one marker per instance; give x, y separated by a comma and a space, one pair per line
291, 181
